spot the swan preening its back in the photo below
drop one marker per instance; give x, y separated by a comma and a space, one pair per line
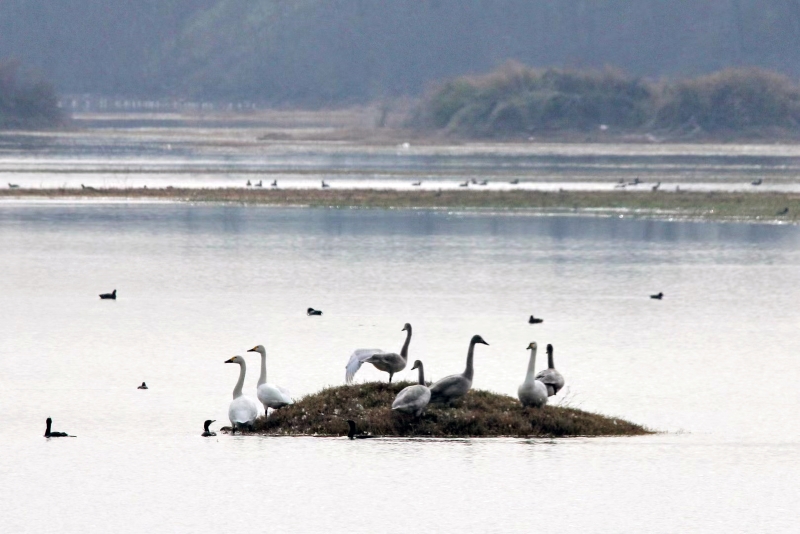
413, 399
454, 387
49, 434
388, 362
532, 392
551, 378
242, 410
270, 395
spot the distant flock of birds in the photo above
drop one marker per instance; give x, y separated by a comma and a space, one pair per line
413, 400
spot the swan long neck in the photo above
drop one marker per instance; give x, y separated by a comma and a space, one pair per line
469, 371
550, 363
237, 390
421, 375
404, 350
262, 378
531, 366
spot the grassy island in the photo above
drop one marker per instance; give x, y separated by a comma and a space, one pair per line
480, 414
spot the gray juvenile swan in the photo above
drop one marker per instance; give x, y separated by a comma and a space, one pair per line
242, 410
388, 362
532, 392
413, 399
207, 433
454, 387
550, 377
270, 395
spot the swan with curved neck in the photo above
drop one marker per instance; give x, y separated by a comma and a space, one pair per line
413, 399
206, 432
242, 410
270, 395
50, 434
551, 378
453, 387
388, 362
532, 392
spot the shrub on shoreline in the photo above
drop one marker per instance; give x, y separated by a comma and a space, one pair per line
516, 100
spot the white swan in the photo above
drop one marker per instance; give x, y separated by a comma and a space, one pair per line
384, 361
413, 399
242, 411
270, 395
532, 392
454, 387
550, 377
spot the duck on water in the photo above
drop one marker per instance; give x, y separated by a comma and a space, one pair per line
206, 432
50, 434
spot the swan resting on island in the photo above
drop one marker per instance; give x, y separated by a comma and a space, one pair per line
453, 387
242, 410
413, 399
388, 362
270, 395
532, 392
551, 378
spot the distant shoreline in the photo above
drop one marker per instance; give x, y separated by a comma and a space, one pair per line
717, 206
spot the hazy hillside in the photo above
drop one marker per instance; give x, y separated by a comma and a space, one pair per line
329, 51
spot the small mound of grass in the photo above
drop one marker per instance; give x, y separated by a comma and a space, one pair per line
479, 414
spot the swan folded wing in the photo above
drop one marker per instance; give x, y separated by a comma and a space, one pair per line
449, 386
356, 359
273, 396
412, 397
550, 377
243, 410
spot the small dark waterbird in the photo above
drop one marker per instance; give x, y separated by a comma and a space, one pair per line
109, 296
351, 433
207, 433
465, 184
274, 183
312, 311
143, 386
248, 183
417, 184
260, 183
535, 320
784, 211
759, 181
515, 181
324, 185
49, 434
658, 296
13, 186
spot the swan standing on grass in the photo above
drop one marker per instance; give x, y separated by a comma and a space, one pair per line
242, 411
551, 378
270, 395
532, 392
454, 387
413, 399
383, 361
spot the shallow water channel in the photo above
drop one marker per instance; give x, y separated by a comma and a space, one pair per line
714, 365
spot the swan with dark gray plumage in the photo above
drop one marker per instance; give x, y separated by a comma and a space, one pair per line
551, 378
453, 387
413, 399
388, 362
532, 392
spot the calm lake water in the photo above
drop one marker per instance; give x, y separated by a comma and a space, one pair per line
714, 366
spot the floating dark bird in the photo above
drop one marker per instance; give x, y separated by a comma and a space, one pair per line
535, 320
90, 188
112, 295
13, 186
465, 184
352, 432
207, 433
416, 184
49, 434
635, 181
655, 187
657, 297
757, 182
248, 183
784, 211
324, 185
143, 386
515, 181
312, 311
260, 183
484, 182
274, 183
